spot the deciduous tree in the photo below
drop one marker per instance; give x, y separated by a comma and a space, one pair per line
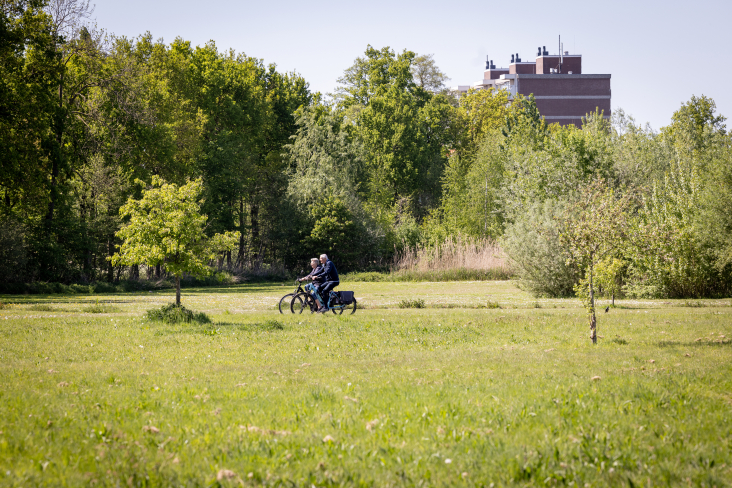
166, 227
594, 227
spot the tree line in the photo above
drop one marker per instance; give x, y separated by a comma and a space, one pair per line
388, 162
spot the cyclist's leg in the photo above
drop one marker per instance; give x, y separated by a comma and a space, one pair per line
317, 294
327, 287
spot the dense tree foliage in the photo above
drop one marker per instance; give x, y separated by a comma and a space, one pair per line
390, 161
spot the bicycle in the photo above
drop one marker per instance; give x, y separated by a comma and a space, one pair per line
338, 301
288, 298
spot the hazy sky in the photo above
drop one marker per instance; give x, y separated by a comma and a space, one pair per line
659, 53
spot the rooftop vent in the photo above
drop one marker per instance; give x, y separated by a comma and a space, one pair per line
512, 59
545, 51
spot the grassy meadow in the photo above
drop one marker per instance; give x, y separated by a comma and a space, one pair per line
484, 386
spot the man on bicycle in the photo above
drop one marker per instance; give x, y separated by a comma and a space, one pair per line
330, 278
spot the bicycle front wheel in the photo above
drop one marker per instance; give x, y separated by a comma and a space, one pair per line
285, 302
301, 302
348, 309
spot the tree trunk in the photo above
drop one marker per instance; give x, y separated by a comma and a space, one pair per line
254, 217
157, 271
110, 268
177, 290
240, 256
135, 272
593, 318
56, 153
613, 297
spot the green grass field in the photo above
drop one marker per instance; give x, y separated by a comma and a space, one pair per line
485, 386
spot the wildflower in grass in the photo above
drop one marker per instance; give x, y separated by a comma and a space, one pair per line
225, 474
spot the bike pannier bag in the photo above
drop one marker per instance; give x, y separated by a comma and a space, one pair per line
346, 297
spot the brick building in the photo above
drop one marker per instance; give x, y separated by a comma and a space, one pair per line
562, 92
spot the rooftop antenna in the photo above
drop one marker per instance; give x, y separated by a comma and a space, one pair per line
560, 53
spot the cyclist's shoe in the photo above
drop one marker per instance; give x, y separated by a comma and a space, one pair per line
322, 310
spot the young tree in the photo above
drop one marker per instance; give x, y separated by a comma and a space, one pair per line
166, 227
594, 227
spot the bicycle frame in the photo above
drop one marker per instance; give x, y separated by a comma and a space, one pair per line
310, 288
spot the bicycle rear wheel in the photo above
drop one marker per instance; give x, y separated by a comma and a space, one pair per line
301, 302
348, 309
285, 302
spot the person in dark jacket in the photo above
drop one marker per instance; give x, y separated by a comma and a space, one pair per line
330, 278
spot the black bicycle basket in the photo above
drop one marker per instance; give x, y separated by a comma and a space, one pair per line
346, 297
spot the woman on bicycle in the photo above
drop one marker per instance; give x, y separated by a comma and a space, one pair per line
317, 268
315, 275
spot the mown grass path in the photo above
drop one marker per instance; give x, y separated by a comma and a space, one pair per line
432, 397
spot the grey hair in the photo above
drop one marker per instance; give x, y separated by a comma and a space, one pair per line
313, 259
324, 256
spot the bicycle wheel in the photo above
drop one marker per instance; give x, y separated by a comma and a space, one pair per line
301, 302
285, 302
345, 308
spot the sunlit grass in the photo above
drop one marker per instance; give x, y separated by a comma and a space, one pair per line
387, 396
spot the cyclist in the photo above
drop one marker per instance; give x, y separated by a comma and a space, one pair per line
317, 268
330, 278
315, 275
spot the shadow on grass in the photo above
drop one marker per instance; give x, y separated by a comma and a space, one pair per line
221, 328
56, 300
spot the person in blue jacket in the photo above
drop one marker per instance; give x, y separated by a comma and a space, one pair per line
330, 278
315, 275
317, 268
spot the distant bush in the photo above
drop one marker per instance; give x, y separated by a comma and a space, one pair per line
370, 276
405, 275
273, 325
101, 308
416, 303
491, 304
533, 243
174, 314
41, 308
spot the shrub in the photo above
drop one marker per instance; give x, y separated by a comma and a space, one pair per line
41, 308
491, 304
174, 314
533, 244
416, 303
272, 325
101, 308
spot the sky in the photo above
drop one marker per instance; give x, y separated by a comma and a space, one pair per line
659, 53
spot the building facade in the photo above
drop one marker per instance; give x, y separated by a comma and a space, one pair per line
562, 92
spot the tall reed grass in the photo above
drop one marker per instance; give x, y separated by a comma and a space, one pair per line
457, 258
